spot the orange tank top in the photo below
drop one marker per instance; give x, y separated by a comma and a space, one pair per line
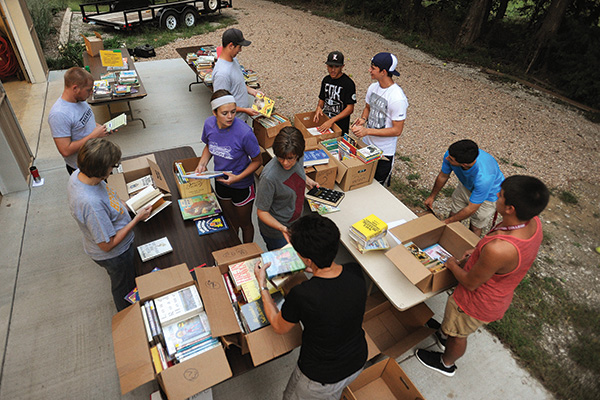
490, 301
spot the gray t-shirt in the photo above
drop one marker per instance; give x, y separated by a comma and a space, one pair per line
281, 194
99, 214
228, 75
74, 120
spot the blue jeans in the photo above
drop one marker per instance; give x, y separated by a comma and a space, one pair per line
121, 270
274, 243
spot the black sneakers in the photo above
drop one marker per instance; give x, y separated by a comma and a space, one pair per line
433, 324
433, 360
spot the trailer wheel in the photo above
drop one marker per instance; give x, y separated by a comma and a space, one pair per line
169, 20
189, 17
211, 5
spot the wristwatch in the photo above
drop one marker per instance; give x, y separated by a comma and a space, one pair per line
264, 288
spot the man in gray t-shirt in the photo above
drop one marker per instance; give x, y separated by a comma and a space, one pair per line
71, 118
227, 73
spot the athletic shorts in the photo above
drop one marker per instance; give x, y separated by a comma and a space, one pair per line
484, 214
239, 197
457, 323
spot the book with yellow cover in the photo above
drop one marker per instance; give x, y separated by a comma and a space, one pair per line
369, 228
263, 104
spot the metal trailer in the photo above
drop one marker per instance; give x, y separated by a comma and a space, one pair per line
170, 14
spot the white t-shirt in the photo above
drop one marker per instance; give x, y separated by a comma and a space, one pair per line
386, 105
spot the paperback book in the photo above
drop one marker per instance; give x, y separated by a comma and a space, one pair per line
369, 228
263, 104
116, 123
192, 330
178, 305
149, 196
315, 157
283, 261
321, 208
154, 249
199, 206
135, 186
211, 224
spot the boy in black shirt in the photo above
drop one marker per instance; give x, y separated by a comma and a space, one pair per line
337, 96
330, 306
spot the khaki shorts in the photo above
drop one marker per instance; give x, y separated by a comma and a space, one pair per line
484, 214
458, 324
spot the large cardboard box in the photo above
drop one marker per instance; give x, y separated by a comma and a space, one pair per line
266, 157
353, 173
393, 332
93, 44
136, 168
263, 344
382, 381
303, 121
132, 350
193, 187
426, 231
266, 136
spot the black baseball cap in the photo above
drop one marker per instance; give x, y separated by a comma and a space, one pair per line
235, 36
335, 58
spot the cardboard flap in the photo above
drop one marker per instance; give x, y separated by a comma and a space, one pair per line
465, 233
164, 281
138, 162
416, 227
217, 303
372, 349
159, 180
414, 271
237, 253
196, 374
132, 354
408, 341
97, 35
369, 375
265, 344
341, 168
399, 384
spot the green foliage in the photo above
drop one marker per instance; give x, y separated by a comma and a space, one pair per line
415, 176
69, 56
447, 191
42, 12
567, 197
409, 195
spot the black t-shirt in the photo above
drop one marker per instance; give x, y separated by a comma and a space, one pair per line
331, 311
337, 94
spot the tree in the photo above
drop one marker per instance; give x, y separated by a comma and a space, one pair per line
473, 24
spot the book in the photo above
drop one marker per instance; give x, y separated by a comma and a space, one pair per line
211, 224
315, 157
321, 208
139, 184
156, 248
149, 196
369, 228
325, 196
199, 206
377, 244
437, 252
369, 154
315, 131
181, 333
133, 296
263, 104
205, 175
158, 367
116, 123
178, 305
283, 261
253, 314
243, 272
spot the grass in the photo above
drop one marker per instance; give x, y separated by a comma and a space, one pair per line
567, 197
411, 196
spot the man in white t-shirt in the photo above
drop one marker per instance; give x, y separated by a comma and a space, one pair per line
227, 73
71, 118
382, 120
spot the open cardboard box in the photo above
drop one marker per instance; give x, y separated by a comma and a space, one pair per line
193, 187
263, 344
132, 350
266, 136
424, 232
323, 174
93, 44
382, 381
353, 173
303, 121
266, 157
136, 168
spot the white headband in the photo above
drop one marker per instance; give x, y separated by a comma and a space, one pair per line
218, 102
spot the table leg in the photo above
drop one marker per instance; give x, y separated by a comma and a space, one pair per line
132, 117
127, 112
194, 83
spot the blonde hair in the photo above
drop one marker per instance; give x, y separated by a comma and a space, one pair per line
77, 76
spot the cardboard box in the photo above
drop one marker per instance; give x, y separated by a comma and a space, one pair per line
394, 332
305, 120
263, 344
424, 232
266, 136
136, 168
266, 157
132, 350
353, 173
93, 44
323, 174
382, 381
194, 187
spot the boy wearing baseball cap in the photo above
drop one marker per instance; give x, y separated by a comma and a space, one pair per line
337, 96
382, 120
227, 73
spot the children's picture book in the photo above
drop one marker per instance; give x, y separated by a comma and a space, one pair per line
321, 208
199, 206
263, 104
156, 248
116, 123
283, 261
315, 157
325, 196
211, 224
243, 272
437, 252
178, 305
187, 331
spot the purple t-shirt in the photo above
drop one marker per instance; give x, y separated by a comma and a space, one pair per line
232, 148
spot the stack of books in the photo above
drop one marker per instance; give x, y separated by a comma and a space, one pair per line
203, 205
330, 145
128, 78
205, 74
111, 77
123, 67
432, 257
101, 89
271, 121
203, 62
121, 90
321, 208
244, 280
251, 78
369, 234
369, 154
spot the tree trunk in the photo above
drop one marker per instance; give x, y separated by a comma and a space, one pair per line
501, 10
548, 29
473, 23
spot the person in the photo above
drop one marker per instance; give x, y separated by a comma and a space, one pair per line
330, 307
479, 179
280, 193
492, 271
227, 73
337, 96
71, 119
102, 217
234, 148
382, 120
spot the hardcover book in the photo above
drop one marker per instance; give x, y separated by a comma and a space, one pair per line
149, 196
178, 305
283, 261
315, 157
154, 249
211, 224
187, 331
199, 206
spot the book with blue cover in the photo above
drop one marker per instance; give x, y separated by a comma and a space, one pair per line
211, 224
315, 157
283, 261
